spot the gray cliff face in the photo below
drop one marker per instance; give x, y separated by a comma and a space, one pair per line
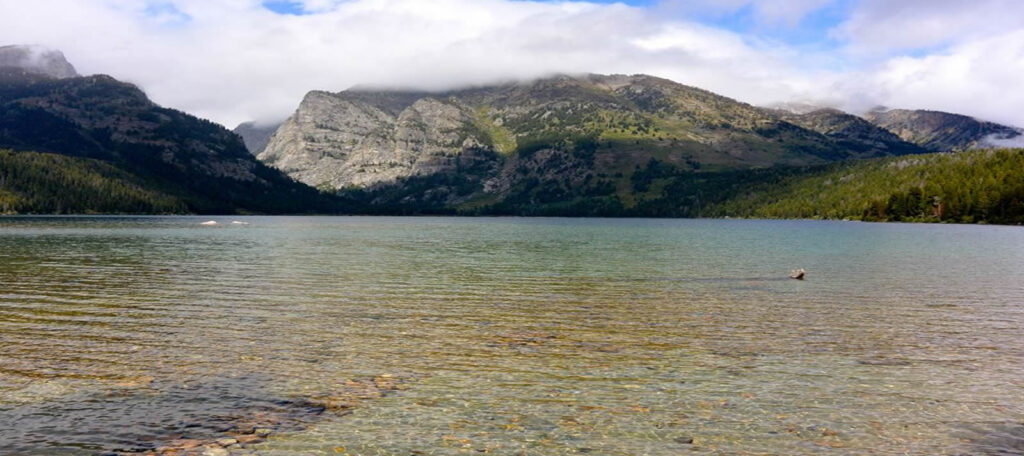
37, 60
339, 140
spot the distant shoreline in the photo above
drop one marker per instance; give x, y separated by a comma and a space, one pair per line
509, 216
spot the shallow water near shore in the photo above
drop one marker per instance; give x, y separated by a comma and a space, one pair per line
510, 336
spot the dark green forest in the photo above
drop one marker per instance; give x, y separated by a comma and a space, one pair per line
966, 187
42, 183
981, 186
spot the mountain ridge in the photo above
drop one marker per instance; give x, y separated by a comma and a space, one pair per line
716, 130
940, 131
561, 138
167, 151
853, 131
621, 145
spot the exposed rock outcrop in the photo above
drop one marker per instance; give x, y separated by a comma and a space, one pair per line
337, 140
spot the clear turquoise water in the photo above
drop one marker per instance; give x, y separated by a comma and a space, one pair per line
513, 336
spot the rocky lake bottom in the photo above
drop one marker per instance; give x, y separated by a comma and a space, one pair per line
287, 336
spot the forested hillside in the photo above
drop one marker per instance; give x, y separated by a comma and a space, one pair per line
968, 187
170, 152
40, 183
981, 186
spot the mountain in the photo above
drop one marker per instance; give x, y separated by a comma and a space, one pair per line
941, 131
852, 132
556, 141
565, 145
255, 136
36, 60
161, 151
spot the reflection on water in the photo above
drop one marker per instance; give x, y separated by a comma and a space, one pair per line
518, 336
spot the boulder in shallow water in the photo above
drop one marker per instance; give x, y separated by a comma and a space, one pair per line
226, 442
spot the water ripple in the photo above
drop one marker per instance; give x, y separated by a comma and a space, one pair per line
527, 336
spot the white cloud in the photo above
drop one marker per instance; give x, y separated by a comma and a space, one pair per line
885, 25
980, 77
233, 60
997, 141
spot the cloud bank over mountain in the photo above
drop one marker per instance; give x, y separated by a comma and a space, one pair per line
236, 60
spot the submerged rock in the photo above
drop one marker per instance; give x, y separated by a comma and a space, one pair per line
294, 415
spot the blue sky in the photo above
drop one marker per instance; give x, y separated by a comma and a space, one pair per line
284, 7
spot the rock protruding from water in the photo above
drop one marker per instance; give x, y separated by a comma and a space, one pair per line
38, 60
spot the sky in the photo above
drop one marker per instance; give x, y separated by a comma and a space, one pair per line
237, 60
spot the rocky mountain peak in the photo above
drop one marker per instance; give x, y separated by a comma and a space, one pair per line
38, 60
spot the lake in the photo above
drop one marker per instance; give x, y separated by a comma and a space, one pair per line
365, 336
